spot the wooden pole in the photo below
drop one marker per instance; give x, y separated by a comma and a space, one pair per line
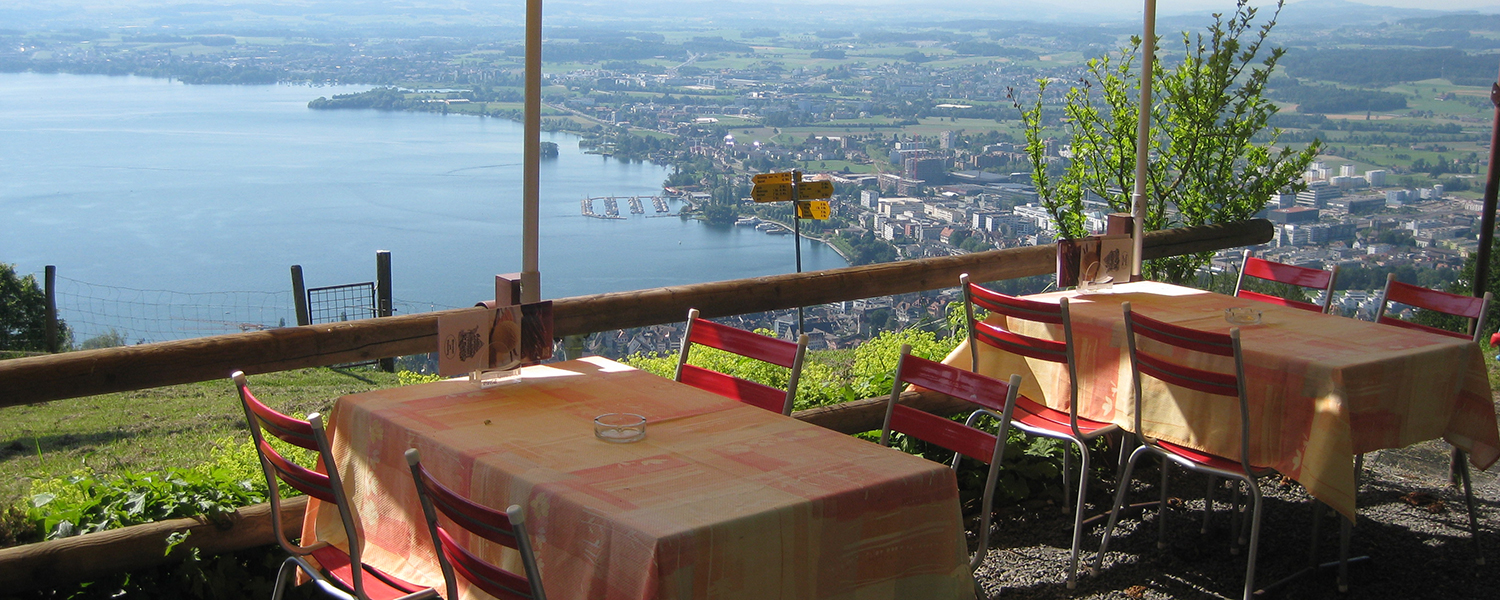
75, 374
49, 288
299, 296
531, 158
383, 298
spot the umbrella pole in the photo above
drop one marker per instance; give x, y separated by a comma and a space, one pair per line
1487, 218
531, 277
1142, 141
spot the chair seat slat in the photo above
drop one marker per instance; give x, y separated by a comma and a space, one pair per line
749, 392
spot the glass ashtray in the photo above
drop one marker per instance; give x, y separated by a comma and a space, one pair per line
1242, 315
620, 428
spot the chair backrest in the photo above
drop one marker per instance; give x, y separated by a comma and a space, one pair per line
1159, 366
506, 528
744, 343
962, 438
1417, 296
1008, 341
308, 435
1261, 268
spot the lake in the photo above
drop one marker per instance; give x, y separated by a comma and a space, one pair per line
132, 185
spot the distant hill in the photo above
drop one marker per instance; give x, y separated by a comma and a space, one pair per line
1381, 67
1319, 14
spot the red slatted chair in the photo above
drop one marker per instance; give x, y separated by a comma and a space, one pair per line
338, 573
1260, 268
963, 439
1219, 384
744, 343
1027, 415
506, 528
1469, 307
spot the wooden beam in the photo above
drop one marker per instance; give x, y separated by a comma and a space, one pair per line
93, 555
90, 372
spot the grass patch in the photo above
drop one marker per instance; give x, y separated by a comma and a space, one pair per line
150, 430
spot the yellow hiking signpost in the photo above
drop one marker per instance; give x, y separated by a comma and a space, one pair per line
771, 192
806, 196
814, 209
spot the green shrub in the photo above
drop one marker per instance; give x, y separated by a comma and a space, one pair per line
85, 502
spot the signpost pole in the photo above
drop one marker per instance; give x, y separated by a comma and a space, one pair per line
797, 233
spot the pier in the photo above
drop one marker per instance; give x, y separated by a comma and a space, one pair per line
612, 206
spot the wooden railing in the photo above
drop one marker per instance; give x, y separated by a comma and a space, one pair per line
90, 372
74, 374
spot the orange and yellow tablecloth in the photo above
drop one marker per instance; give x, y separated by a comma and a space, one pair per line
721, 500
1321, 388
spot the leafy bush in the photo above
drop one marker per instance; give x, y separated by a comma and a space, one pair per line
1030, 475
85, 502
827, 376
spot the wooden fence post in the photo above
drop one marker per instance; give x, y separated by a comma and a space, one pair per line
299, 296
49, 287
383, 297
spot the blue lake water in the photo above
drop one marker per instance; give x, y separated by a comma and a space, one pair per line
149, 184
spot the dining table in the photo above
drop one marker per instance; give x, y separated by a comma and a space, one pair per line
1322, 389
719, 500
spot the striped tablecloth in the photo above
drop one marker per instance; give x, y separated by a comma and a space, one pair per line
1321, 388
721, 500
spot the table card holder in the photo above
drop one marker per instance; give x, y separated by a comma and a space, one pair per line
492, 345
480, 342
536, 318
1093, 263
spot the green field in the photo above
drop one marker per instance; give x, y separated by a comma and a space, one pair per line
153, 429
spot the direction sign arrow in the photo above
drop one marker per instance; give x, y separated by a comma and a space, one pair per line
816, 209
772, 178
813, 190
771, 192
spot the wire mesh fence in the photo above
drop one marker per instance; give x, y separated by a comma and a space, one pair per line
335, 303
103, 315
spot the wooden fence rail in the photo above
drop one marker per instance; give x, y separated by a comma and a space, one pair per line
90, 372
74, 374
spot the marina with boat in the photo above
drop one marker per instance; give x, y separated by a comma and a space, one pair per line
612, 206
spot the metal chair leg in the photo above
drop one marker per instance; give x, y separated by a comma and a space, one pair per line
1083, 487
288, 566
1236, 522
1463, 471
1161, 513
1068, 485
1121, 488
1208, 504
1255, 503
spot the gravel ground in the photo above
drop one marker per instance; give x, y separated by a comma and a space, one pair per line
1415, 551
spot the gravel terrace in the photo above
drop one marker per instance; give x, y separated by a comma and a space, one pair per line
1412, 525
